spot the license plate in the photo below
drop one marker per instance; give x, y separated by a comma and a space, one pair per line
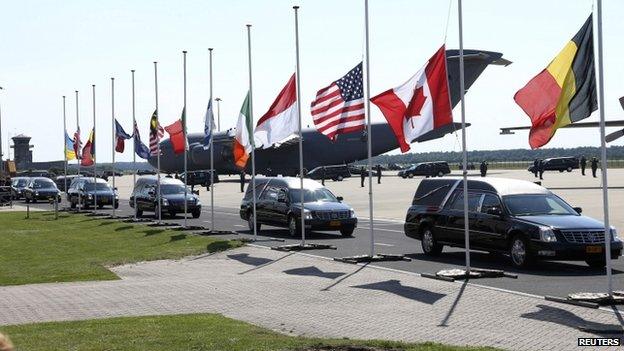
334, 223
593, 249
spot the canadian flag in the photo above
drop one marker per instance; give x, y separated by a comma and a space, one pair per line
419, 105
281, 120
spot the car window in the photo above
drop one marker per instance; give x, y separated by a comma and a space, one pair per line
490, 201
270, 194
473, 201
537, 205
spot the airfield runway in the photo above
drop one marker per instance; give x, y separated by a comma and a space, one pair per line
392, 198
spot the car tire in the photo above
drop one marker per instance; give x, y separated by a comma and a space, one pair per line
196, 213
561, 171
410, 176
294, 229
27, 200
596, 263
100, 206
72, 204
569, 169
347, 232
519, 252
403, 176
429, 244
116, 204
440, 174
339, 178
250, 221
139, 213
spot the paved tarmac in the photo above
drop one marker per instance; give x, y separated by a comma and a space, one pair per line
391, 200
308, 296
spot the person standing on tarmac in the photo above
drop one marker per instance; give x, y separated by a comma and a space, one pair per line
583, 164
540, 169
242, 181
378, 174
362, 176
483, 168
594, 166
535, 167
323, 175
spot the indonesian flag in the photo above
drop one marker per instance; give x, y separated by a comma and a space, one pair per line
421, 104
281, 120
243, 143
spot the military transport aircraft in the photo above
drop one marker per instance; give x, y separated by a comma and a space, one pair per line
318, 150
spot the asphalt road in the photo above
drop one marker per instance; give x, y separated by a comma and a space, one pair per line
547, 278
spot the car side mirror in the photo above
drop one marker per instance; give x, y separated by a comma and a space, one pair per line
151, 193
578, 210
196, 192
495, 211
339, 198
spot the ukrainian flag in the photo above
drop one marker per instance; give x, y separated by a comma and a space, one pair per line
69, 148
564, 92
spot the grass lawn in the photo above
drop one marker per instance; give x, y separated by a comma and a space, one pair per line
77, 248
181, 332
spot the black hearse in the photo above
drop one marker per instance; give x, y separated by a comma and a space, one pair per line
279, 204
41, 188
519, 218
88, 191
427, 169
172, 197
335, 173
18, 185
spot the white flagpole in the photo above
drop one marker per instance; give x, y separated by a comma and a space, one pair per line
113, 130
603, 151
134, 173
211, 150
158, 207
253, 146
185, 140
94, 157
78, 149
369, 138
301, 197
64, 142
463, 122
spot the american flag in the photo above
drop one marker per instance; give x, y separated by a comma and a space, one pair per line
156, 133
339, 108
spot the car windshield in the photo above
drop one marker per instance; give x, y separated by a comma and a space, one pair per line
20, 182
43, 184
537, 205
170, 189
97, 186
312, 195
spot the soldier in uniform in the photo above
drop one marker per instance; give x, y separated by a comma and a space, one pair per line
362, 176
483, 168
540, 168
378, 174
323, 175
242, 181
594, 166
583, 164
535, 167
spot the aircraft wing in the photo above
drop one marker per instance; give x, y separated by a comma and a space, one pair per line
617, 123
440, 132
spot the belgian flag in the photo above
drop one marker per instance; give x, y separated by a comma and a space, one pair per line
564, 92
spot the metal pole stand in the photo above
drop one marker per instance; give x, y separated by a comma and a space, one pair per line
163, 224
590, 299
136, 220
475, 273
303, 247
374, 258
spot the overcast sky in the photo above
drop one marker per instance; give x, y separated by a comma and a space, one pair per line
51, 48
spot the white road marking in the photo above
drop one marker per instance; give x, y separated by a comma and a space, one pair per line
239, 225
385, 230
382, 244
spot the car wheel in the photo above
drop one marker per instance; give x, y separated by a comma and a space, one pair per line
72, 204
116, 205
561, 171
27, 200
569, 169
519, 252
440, 174
429, 244
293, 227
139, 213
250, 223
339, 178
347, 232
403, 176
597, 263
410, 176
100, 206
196, 213
172, 214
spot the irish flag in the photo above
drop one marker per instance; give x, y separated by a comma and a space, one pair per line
243, 143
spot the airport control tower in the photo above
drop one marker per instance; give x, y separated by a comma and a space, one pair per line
22, 151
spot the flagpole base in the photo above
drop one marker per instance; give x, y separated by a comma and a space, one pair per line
163, 224
475, 273
303, 247
252, 240
136, 220
374, 258
591, 298
216, 232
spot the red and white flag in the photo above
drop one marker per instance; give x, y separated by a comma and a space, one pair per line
421, 104
281, 120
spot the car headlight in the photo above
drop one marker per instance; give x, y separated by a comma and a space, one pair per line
165, 202
547, 235
351, 213
307, 214
90, 196
36, 193
614, 234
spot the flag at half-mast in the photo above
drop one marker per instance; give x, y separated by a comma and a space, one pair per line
282, 119
139, 148
77, 143
156, 133
177, 134
208, 125
564, 92
243, 140
88, 152
70, 153
339, 107
421, 104
121, 136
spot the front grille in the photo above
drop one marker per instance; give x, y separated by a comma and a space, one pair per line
584, 236
329, 215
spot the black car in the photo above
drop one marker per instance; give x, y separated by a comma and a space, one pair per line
519, 218
62, 180
88, 191
146, 172
558, 164
427, 169
172, 197
18, 184
201, 178
354, 169
279, 204
335, 173
41, 188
